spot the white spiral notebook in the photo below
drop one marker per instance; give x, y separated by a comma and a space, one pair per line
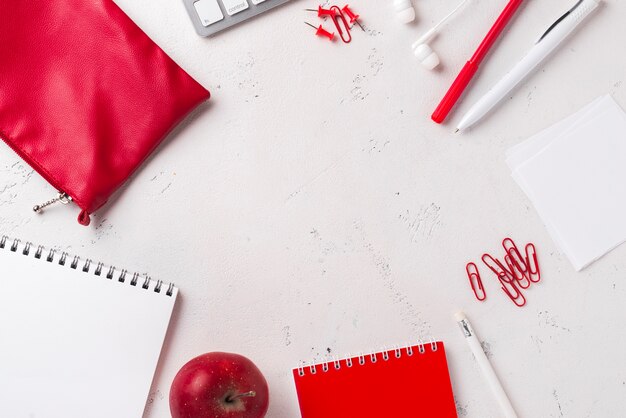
78, 339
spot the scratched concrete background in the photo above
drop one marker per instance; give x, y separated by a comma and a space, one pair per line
312, 208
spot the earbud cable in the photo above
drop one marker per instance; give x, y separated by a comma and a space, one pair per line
445, 19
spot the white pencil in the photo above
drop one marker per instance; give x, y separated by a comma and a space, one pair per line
485, 366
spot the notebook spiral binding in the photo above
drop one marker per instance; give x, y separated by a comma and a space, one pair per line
396, 352
39, 252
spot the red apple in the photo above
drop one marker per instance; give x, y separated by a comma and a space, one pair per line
219, 385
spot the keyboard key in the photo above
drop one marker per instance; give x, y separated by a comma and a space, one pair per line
208, 11
235, 6
257, 1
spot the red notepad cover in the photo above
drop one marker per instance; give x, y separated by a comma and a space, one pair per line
413, 384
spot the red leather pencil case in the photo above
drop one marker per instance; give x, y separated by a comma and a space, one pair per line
85, 94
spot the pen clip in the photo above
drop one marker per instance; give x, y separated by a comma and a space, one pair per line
559, 20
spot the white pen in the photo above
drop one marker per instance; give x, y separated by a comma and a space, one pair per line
548, 42
485, 366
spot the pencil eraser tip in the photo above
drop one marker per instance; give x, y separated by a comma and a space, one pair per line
459, 316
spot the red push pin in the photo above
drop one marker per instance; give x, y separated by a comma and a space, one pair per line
322, 32
321, 12
354, 18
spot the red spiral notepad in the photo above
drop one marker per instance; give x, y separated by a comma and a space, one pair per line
401, 383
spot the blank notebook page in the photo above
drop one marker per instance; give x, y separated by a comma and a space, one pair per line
410, 386
74, 344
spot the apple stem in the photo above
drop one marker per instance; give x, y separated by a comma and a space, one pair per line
250, 394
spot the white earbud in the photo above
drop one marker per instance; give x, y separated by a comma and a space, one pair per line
423, 51
404, 10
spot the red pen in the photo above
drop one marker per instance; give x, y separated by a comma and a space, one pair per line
470, 68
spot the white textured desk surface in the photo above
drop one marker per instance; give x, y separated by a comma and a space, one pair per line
313, 207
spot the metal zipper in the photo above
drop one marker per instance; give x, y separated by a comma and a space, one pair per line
61, 197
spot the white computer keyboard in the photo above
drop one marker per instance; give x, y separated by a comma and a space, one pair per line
212, 16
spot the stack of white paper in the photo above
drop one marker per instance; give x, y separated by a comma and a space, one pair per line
574, 172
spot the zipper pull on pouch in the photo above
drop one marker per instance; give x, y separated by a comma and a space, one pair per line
61, 197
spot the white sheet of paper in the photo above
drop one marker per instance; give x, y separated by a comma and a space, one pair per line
521, 152
73, 344
576, 181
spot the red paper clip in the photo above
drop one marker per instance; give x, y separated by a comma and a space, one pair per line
522, 279
322, 32
345, 36
522, 267
534, 273
518, 298
511, 249
475, 281
497, 267
354, 18
321, 12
